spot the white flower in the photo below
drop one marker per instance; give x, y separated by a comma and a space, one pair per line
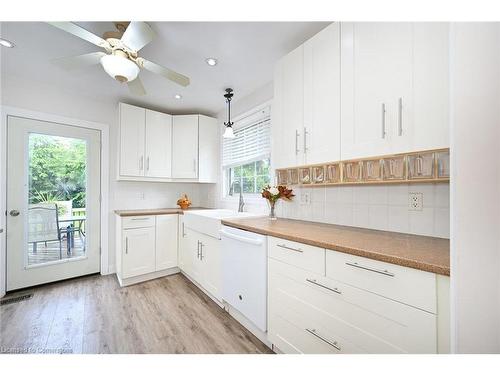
274, 190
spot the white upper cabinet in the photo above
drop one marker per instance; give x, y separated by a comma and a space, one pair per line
376, 77
132, 135
394, 88
322, 96
430, 85
155, 146
185, 146
158, 161
306, 105
208, 149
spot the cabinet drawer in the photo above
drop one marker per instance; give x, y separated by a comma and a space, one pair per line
402, 284
129, 222
373, 323
298, 254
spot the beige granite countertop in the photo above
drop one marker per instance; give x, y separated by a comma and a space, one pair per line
156, 211
420, 252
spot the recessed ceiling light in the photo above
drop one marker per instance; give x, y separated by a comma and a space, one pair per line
211, 61
178, 96
6, 43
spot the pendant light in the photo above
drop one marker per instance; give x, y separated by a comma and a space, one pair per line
228, 133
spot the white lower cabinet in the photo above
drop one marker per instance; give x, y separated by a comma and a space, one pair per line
200, 259
336, 308
146, 247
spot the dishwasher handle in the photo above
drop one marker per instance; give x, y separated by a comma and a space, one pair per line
241, 238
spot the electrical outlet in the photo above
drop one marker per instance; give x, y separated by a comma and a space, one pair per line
305, 197
415, 201
142, 196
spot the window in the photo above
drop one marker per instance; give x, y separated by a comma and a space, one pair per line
246, 158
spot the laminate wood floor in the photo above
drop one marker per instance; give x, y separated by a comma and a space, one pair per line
94, 315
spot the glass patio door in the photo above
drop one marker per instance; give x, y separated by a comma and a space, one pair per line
53, 208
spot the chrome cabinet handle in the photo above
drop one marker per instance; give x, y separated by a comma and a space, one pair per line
297, 142
382, 272
400, 117
140, 218
194, 165
198, 250
141, 163
313, 281
14, 213
305, 139
313, 332
201, 251
126, 245
183, 231
383, 120
289, 248
147, 163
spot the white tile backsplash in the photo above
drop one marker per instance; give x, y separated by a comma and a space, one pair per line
383, 207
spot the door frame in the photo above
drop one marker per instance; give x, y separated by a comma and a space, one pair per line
7, 111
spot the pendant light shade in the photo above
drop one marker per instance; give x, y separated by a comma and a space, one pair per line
228, 133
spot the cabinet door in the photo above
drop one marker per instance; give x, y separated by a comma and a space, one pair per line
190, 255
210, 255
132, 130
185, 258
166, 241
185, 146
322, 95
158, 144
376, 72
430, 86
293, 107
138, 251
209, 142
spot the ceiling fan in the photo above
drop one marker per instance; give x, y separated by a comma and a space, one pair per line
121, 60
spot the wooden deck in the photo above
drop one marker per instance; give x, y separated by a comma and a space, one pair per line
51, 252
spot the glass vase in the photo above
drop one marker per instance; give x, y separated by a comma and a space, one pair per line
272, 211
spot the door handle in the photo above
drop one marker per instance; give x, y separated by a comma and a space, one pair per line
201, 251
147, 163
126, 245
296, 142
198, 250
14, 213
400, 117
383, 120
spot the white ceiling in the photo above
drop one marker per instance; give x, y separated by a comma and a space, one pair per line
246, 52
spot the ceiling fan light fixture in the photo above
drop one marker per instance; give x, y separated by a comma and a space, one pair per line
120, 68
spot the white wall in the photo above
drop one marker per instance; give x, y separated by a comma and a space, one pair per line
17, 92
475, 188
2, 208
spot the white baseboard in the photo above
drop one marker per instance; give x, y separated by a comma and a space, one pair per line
149, 276
111, 270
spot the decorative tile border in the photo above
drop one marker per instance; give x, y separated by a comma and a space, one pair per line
428, 166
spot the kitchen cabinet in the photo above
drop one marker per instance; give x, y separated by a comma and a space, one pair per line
324, 301
132, 137
200, 259
185, 146
139, 251
394, 88
146, 247
158, 145
166, 242
306, 104
155, 146
145, 143
322, 96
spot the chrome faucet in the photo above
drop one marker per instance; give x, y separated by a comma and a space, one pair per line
241, 202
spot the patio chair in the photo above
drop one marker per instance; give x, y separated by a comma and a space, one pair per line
43, 225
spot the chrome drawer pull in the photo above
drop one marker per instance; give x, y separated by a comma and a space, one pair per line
313, 332
383, 272
313, 281
140, 218
290, 248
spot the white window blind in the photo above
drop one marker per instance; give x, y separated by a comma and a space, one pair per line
252, 140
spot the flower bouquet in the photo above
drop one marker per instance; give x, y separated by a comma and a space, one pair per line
275, 193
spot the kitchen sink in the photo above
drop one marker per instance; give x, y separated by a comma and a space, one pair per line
209, 221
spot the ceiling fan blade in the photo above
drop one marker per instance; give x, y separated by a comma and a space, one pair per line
165, 72
137, 35
136, 87
80, 32
81, 61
